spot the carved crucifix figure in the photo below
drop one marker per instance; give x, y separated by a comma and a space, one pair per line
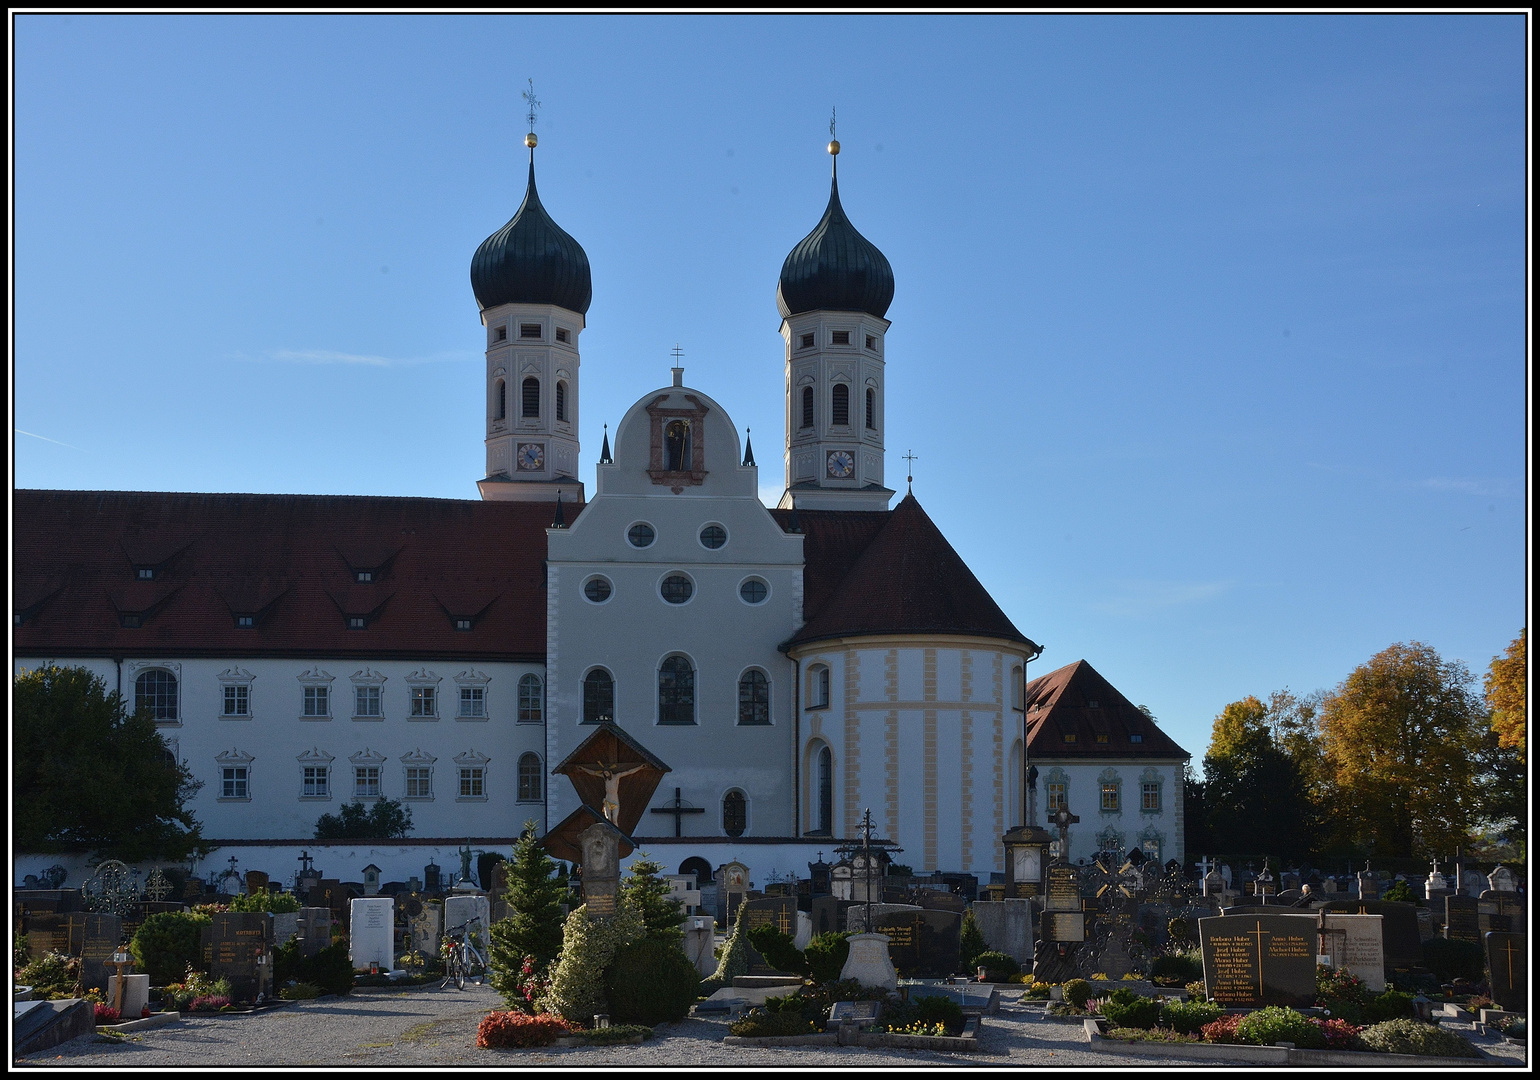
612, 775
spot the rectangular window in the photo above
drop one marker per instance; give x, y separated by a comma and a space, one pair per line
1101, 738
366, 780
422, 701
807, 341
365, 576
317, 700
529, 330
355, 622
502, 333
366, 701
238, 700
233, 783
842, 337
1070, 736
462, 624
245, 622
471, 783
871, 342
473, 701
1150, 796
1136, 738
132, 622
1109, 796
818, 689
317, 781
561, 334
419, 783
1056, 798
146, 574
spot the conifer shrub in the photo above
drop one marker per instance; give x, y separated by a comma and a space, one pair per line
1391, 1005
973, 943
1189, 1017
778, 950
272, 902
331, 969
649, 894
1124, 1008
998, 966
735, 955
1415, 1037
826, 955
1077, 992
650, 982
168, 943
531, 935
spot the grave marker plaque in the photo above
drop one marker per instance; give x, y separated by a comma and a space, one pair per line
829, 914
60, 933
1462, 919
922, 943
103, 935
777, 911
237, 945
371, 933
1356, 943
315, 929
1250, 961
1063, 888
1403, 938
1508, 970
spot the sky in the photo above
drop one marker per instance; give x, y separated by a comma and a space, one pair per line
1209, 335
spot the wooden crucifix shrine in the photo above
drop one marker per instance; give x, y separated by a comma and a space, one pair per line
613, 774
678, 809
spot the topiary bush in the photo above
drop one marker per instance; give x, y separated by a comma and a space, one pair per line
998, 966
577, 990
1077, 992
1415, 1037
1450, 958
1277, 1023
650, 982
826, 955
1189, 1017
168, 943
1124, 1008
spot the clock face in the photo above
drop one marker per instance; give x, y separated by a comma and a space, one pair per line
531, 456
842, 464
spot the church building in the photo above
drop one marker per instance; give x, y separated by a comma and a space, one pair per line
792, 667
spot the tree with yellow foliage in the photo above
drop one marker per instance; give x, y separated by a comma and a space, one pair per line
1505, 686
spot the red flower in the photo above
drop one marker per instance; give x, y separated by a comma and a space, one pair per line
500, 1030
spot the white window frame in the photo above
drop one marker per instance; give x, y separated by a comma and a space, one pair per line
539, 779
539, 709
312, 680
367, 680
236, 760
361, 782
368, 759
418, 759
476, 683
818, 686
175, 670
316, 787
472, 766
418, 682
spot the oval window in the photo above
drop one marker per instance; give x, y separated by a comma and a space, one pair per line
753, 591
597, 589
641, 535
713, 537
677, 588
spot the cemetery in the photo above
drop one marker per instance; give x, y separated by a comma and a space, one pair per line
588, 944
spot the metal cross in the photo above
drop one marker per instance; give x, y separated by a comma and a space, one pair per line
305, 860
533, 103
831, 122
911, 458
1204, 866
677, 353
678, 809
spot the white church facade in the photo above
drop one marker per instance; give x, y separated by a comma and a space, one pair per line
794, 667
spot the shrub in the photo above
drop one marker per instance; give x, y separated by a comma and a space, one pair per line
167, 944
1151, 1035
533, 928
515, 1030
650, 895
1341, 993
1176, 969
761, 1023
21, 951
1450, 958
1124, 1008
1189, 1017
1039, 991
300, 992
998, 966
777, 949
734, 960
933, 1009
650, 982
208, 1003
1276, 1023
106, 1014
973, 944
1391, 1005
273, 902
51, 976
826, 955
330, 969
1077, 992
615, 1033
1403, 892
1197, 988
1223, 1030
1415, 1037
1340, 1035
588, 946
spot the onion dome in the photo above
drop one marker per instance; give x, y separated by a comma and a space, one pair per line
531, 260
835, 268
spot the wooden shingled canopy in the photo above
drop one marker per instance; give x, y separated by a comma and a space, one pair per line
609, 746
562, 839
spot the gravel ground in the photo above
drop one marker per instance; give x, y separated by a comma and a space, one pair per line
432, 1028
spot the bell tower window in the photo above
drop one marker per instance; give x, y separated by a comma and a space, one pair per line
871, 409
532, 397
561, 401
807, 406
841, 405
501, 409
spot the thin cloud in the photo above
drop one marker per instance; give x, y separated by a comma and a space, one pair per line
1470, 485
330, 356
1135, 599
45, 438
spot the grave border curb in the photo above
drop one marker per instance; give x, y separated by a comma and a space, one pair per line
159, 1019
1285, 1055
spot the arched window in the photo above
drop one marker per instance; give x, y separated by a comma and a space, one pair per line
676, 691
825, 769
754, 698
676, 446
531, 709
841, 404
735, 813
871, 409
501, 408
818, 687
532, 396
529, 778
1018, 685
598, 696
807, 406
561, 401
156, 690
699, 867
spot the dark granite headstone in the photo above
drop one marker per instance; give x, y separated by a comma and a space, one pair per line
315, 931
922, 943
330, 893
1462, 918
1062, 893
828, 914
1509, 908
1403, 937
1250, 961
932, 900
237, 945
103, 935
46, 901
777, 911
63, 933
1508, 970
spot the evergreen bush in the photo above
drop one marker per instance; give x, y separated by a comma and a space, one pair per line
1391, 1005
1077, 992
1276, 1023
760, 1023
272, 902
778, 950
1415, 1037
533, 928
51, 976
826, 955
1124, 1008
972, 943
936, 1010
1189, 1017
735, 955
1177, 969
998, 966
589, 943
331, 969
168, 943
649, 894
650, 982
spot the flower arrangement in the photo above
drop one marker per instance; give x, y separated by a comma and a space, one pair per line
516, 1030
208, 1003
919, 1027
106, 1014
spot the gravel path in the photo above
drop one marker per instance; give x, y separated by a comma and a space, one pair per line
433, 1028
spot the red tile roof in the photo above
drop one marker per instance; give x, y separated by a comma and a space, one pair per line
289, 560
907, 579
832, 542
1076, 700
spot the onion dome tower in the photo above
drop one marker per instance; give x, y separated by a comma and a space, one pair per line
834, 292
532, 282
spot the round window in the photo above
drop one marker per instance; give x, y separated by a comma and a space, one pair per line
641, 535
713, 537
597, 589
753, 591
677, 588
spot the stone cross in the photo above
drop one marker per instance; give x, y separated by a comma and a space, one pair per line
1204, 866
1062, 820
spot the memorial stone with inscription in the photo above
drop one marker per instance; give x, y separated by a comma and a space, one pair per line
237, 945
1462, 919
924, 943
1508, 970
1403, 937
777, 911
63, 933
371, 932
1508, 908
103, 935
1251, 961
1356, 943
314, 927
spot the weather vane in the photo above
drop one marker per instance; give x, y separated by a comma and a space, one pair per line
831, 121
533, 103
834, 144
911, 458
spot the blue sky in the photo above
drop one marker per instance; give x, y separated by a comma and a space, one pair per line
1209, 332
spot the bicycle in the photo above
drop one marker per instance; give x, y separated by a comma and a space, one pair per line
462, 959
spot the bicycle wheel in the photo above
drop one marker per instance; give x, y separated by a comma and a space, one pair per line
476, 967
458, 959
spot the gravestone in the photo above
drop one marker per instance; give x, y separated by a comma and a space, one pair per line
460, 909
1368, 885
699, 932
855, 915
1473, 884
285, 926
922, 942
256, 882
933, 900
48, 901
237, 945
1462, 919
103, 935
1502, 879
1403, 938
63, 933
371, 933
314, 927
828, 914
1508, 908
1356, 943
777, 911
1007, 927
1251, 961
426, 928
600, 845
1508, 970
329, 893
732, 884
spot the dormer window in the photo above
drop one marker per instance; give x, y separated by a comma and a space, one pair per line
462, 624
842, 337
364, 577
146, 573
561, 334
1093, 704
1102, 738
1069, 736
132, 622
1136, 738
16, 618
245, 622
502, 333
355, 622
529, 330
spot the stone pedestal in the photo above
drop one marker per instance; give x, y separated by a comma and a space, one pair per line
699, 932
136, 994
869, 961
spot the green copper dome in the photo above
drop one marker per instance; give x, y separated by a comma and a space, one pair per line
531, 260
835, 268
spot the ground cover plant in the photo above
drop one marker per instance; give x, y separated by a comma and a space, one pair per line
517, 1030
761, 1023
1415, 1037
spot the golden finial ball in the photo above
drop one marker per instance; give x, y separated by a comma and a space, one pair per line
530, 140
834, 146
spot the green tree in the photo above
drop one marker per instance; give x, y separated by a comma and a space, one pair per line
1196, 837
387, 819
650, 895
1501, 798
88, 776
1400, 737
536, 893
1505, 687
1253, 792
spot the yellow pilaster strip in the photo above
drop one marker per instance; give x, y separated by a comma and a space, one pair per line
999, 760
967, 760
852, 742
890, 745
931, 794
